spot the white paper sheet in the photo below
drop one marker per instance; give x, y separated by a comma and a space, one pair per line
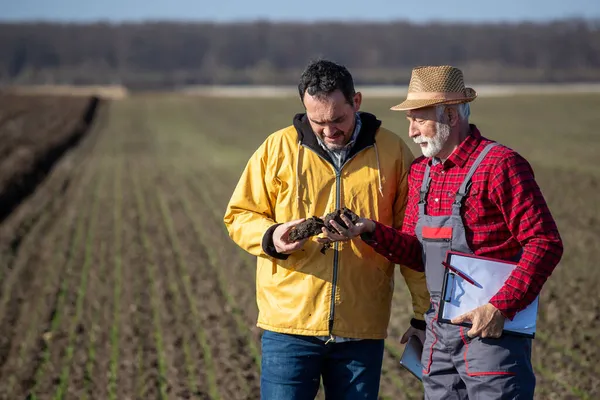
490, 276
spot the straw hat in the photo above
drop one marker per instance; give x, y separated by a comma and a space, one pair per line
430, 86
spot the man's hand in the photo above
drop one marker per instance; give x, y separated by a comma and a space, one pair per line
411, 331
487, 320
363, 225
281, 239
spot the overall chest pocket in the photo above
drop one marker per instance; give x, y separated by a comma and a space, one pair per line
437, 241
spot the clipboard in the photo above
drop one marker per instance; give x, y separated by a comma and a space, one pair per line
460, 296
411, 357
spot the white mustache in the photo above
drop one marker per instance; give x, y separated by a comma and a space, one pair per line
419, 140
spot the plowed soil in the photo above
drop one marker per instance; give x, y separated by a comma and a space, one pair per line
118, 280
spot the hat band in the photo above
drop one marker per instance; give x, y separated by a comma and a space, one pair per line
434, 96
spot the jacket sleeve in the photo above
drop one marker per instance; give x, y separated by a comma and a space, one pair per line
415, 280
250, 213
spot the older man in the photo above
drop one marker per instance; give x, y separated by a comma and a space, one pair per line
473, 195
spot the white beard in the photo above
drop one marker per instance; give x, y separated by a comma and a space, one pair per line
437, 142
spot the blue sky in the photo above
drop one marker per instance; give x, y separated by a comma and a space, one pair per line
303, 10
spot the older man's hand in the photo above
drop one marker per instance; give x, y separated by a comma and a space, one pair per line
487, 320
363, 225
411, 331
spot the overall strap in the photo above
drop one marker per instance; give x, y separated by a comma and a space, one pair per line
464, 187
424, 190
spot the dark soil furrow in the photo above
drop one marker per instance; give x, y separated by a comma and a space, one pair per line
39, 213
30, 171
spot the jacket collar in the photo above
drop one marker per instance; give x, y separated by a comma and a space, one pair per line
366, 136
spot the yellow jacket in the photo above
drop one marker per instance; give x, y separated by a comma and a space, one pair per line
346, 292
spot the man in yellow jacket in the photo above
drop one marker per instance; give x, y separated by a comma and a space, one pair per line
324, 315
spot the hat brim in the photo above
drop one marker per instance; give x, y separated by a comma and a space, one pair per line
408, 105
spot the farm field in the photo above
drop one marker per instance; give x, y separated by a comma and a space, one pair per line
118, 280
34, 133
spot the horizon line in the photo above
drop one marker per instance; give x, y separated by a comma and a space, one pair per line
302, 21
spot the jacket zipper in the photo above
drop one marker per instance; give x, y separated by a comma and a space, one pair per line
338, 190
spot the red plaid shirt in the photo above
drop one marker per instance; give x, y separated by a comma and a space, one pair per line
503, 212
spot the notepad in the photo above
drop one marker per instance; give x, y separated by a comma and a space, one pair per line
489, 275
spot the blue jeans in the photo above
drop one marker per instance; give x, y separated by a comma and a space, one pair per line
292, 366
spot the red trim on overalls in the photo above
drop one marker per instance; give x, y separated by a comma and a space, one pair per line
426, 371
437, 232
462, 335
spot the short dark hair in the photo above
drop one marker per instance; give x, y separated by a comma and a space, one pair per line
322, 77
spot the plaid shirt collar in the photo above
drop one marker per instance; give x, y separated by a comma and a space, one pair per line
461, 154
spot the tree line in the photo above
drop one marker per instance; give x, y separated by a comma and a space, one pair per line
172, 54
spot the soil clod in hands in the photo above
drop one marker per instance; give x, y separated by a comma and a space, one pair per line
337, 217
313, 226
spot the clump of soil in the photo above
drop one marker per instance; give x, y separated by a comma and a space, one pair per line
337, 217
313, 226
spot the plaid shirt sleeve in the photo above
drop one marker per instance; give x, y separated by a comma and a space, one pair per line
514, 190
396, 246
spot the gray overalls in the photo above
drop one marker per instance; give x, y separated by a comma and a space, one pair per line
456, 366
